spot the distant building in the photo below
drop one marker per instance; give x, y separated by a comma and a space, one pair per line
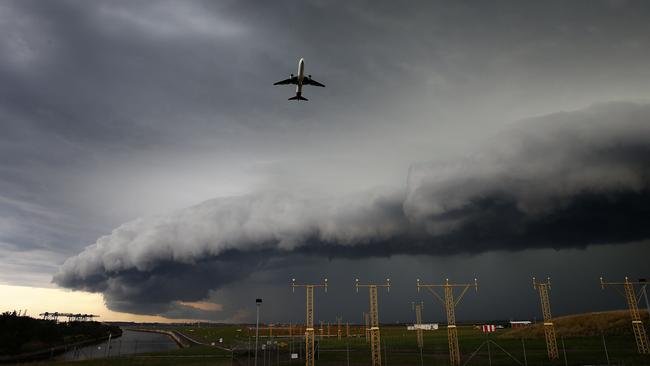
430, 326
520, 323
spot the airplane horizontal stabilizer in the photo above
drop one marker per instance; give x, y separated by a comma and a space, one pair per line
298, 97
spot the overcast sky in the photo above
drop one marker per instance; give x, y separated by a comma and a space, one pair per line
145, 143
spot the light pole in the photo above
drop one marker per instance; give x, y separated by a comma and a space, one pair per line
258, 303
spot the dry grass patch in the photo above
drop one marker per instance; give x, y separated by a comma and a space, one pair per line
581, 325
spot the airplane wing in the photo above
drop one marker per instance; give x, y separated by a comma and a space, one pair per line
292, 80
310, 81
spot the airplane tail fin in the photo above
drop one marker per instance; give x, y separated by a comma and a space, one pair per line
298, 97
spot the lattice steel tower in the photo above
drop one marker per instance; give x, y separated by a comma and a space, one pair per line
450, 306
309, 324
632, 298
549, 328
375, 342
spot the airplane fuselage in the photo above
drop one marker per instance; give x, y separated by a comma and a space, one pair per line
299, 81
301, 76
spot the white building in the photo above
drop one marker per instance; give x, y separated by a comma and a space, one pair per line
430, 326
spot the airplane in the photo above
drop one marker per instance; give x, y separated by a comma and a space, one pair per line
299, 81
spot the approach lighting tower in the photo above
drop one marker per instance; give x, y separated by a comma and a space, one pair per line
549, 328
450, 306
375, 342
418, 322
632, 298
309, 331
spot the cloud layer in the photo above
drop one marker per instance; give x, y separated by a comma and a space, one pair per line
113, 110
568, 179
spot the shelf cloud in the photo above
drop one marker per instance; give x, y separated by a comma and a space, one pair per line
563, 180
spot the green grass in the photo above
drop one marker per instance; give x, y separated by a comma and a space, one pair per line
399, 347
229, 335
198, 355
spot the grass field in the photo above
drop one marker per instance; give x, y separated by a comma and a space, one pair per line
399, 347
580, 325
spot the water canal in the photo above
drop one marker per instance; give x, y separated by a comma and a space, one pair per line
131, 342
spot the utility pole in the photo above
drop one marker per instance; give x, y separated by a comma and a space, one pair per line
418, 322
631, 297
108, 345
258, 303
450, 306
375, 343
549, 328
309, 331
418, 327
322, 330
366, 318
338, 331
347, 329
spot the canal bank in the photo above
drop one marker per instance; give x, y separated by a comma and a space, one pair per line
131, 342
54, 351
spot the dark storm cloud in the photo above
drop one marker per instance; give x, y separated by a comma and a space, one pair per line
126, 75
568, 179
563, 180
115, 110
